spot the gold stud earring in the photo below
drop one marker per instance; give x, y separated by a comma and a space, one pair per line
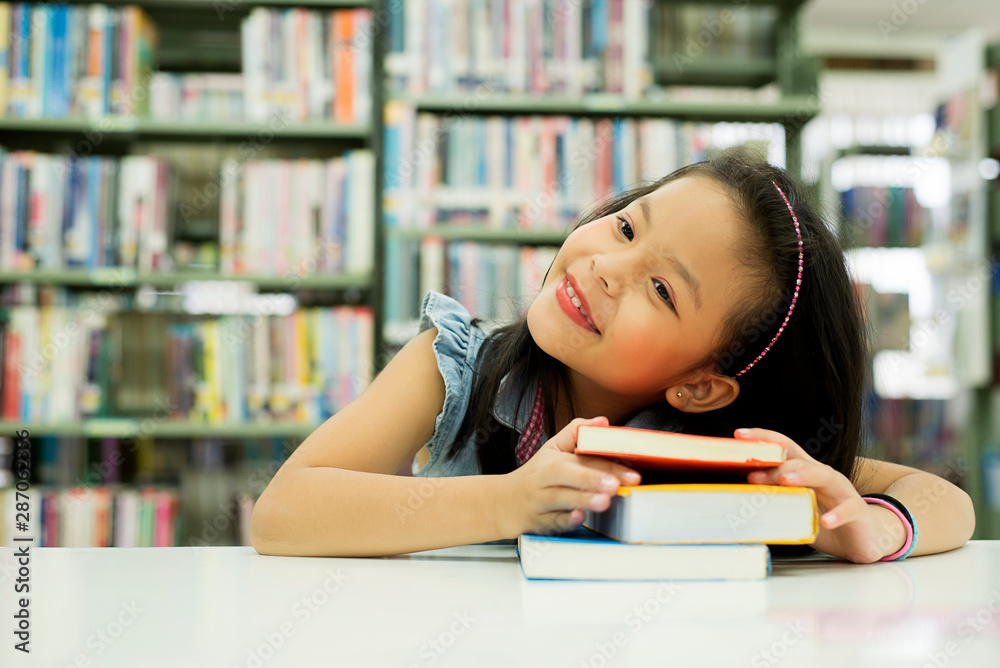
678, 395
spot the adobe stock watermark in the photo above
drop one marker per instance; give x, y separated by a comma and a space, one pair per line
267, 644
228, 514
248, 150
92, 311
898, 17
712, 29
956, 299
99, 471
421, 492
436, 647
427, 148
923, 502
635, 620
794, 632
103, 638
967, 630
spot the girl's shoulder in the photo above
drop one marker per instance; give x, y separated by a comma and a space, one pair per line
457, 337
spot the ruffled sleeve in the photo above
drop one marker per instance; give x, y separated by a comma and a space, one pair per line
455, 348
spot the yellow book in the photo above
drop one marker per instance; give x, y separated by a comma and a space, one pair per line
709, 513
5, 28
301, 363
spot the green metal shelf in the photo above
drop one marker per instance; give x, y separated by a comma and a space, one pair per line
156, 428
132, 126
796, 108
485, 235
754, 71
113, 276
877, 150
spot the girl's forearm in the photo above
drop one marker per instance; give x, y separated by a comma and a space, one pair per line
943, 513
323, 511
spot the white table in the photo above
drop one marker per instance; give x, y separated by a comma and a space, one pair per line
470, 606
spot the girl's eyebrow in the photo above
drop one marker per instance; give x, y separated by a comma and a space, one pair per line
694, 287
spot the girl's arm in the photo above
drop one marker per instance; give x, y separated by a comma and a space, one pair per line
863, 532
338, 495
942, 511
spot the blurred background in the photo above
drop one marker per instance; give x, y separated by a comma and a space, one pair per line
218, 218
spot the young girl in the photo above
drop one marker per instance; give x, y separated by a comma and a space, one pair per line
713, 301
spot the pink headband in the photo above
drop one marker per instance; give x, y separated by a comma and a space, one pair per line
798, 284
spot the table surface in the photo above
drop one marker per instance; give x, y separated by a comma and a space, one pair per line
471, 606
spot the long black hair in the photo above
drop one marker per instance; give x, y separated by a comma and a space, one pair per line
810, 384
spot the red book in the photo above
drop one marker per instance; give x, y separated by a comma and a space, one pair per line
646, 449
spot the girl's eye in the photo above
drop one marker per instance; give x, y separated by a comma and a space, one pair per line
625, 228
664, 294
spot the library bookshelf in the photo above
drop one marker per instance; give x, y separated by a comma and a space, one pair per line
694, 65
329, 129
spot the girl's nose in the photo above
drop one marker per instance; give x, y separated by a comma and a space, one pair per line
607, 270
618, 270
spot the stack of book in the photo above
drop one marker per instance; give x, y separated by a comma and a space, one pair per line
677, 531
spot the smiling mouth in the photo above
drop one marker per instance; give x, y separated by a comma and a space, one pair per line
579, 305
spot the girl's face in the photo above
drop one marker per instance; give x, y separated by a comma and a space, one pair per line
634, 299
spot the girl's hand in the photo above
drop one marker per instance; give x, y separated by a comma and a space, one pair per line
552, 490
849, 527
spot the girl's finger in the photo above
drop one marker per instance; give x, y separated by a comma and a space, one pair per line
625, 475
565, 440
792, 449
560, 521
567, 498
594, 478
771, 475
847, 511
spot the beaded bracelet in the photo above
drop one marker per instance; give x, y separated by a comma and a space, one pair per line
904, 515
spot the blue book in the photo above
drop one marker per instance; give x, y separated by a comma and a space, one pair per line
583, 554
56, 97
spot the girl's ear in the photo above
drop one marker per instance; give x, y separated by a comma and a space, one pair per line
710, 392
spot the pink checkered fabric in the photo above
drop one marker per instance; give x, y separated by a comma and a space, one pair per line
531, 437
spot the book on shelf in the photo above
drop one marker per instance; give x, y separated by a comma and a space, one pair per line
709, 513
583, 554
59, 212
306, 64
197, 96
101, 516
536, 172
885, 217
302, 367
298, 217
52, 360
515, 46
652, 450
113, 492
80, 358
739, 32
76, 60
91, 61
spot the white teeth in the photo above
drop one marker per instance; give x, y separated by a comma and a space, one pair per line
578, 304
